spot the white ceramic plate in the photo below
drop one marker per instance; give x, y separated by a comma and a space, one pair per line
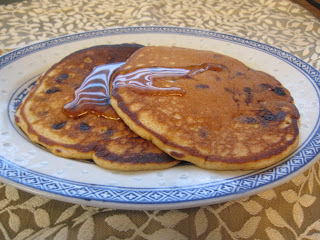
30, 168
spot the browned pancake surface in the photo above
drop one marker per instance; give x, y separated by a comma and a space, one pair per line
110, 143
230, 118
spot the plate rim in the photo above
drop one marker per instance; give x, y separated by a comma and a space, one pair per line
310, 72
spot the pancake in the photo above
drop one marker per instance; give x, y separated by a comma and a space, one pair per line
206, 108
102, 137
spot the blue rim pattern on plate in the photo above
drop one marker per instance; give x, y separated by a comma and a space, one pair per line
301, 157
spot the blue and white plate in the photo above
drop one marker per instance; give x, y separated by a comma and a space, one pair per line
33, 169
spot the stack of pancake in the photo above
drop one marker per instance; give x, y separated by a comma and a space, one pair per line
108, 142
166, 105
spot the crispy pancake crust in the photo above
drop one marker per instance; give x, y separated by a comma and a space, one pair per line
110, 143
232, 119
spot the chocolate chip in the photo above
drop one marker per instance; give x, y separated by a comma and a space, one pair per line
267, 115
59, 125
248, 120
108, 133
281, 115
228, 90
52, 90
84, 127
202, 133
62, 77
249, 94
247, 90
265, 86
239, 74
203, 86
279, 91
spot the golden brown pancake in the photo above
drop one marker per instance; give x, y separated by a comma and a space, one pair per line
109, 142
206, 108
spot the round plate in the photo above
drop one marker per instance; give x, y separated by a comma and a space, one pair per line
31, 168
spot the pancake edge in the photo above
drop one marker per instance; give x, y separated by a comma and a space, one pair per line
198, 161
69, 153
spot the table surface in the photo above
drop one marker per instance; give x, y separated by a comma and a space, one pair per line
290, 211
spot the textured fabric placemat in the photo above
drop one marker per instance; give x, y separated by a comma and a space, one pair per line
311, 5
290, 211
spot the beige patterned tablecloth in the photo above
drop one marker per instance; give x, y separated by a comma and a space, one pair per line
290, 211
